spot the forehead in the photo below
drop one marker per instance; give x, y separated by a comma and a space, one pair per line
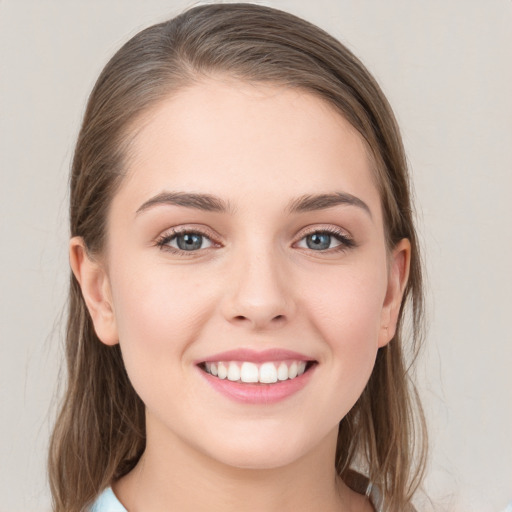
227, 137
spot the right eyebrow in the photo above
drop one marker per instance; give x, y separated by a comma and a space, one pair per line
205, 202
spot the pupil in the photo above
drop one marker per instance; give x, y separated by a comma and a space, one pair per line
318, 241
189, 242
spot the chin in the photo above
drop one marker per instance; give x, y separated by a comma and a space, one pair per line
261, 450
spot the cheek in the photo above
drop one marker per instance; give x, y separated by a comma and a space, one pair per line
159, 315
347, 315
351, 303
158, 312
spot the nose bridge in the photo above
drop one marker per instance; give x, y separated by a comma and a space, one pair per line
260, 295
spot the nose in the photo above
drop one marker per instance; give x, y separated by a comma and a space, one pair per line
260, 294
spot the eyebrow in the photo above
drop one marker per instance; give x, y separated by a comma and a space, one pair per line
308, 203
205, 202
211, 203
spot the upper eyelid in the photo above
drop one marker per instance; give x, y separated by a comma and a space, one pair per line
192, 228
331, 229
183, 230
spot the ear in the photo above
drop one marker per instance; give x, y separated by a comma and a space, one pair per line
399, 264
95, 285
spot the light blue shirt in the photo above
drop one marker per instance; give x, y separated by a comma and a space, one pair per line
107, 502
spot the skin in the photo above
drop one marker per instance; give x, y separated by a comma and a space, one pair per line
254, 284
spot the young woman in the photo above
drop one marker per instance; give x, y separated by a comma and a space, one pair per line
243, 252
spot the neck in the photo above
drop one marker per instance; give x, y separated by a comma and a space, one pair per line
175, 476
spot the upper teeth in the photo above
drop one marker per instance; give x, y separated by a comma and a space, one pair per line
266, 373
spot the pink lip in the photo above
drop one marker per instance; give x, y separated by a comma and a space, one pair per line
254, 356
257, 393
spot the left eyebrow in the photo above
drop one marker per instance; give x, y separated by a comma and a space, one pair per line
308, 203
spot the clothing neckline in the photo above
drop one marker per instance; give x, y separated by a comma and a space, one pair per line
107, 501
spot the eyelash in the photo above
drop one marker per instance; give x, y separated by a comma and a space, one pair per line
163, 241
345, 241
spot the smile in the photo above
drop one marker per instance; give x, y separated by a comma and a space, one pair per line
248, 372
257, 377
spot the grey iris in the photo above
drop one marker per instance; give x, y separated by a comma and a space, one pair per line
189, 241
319, 241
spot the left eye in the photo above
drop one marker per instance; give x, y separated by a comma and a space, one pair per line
321, 241
187, 241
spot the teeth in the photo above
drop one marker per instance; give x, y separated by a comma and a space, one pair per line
292, 371
222, 371
233, 372
266, 373
282, 372
249, 373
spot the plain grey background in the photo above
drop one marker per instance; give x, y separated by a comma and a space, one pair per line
445, 66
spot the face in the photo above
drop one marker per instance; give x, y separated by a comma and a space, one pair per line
246, 275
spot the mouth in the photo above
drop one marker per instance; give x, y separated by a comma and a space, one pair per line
265, 372
257, 377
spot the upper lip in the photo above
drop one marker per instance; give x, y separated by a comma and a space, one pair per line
256, 356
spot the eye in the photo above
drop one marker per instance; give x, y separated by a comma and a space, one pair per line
326, 239
320, 241
185, 241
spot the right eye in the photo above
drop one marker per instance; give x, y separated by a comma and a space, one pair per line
184, 241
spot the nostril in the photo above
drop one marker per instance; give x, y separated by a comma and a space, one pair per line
241, 317
259, 321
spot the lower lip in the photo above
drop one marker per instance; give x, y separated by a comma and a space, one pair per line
258, 393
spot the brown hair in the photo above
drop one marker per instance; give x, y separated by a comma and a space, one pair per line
100, 432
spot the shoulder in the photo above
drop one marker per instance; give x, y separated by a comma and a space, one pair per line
362, 486
107, 502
